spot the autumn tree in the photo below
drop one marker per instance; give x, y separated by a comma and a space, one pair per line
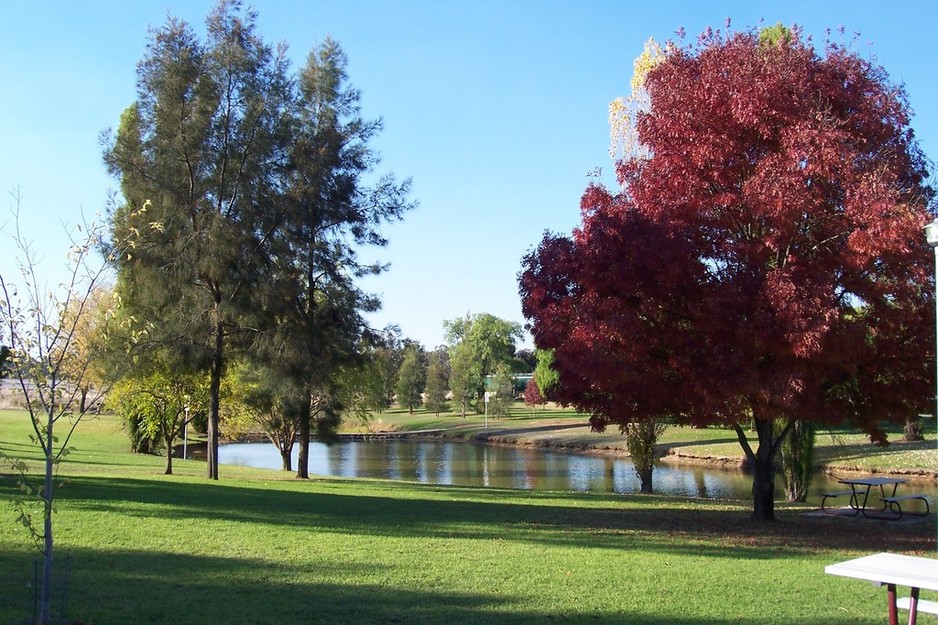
85, 363
532, 396
763, 260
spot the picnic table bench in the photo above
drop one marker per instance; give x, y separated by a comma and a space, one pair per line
894, 503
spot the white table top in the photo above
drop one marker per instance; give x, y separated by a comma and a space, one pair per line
873, 481
890, 568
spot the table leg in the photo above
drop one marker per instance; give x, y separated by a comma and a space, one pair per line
855, 500
893, 610
913, 606
866, 497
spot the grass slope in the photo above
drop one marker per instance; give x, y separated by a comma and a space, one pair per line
261, 547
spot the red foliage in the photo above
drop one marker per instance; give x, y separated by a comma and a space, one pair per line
766, 260
532, 394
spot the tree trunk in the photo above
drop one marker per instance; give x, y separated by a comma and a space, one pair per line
763, 480
763, 465
169, 456
302, 461
645, 476
286, 459
45, 597
214, 395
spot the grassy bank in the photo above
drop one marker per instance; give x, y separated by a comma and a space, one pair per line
261, 547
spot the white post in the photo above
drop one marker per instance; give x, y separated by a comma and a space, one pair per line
931, 235
185, 433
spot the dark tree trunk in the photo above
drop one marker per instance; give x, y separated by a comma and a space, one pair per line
763, 466
644, 476
763, 481
286, 459
302, 461
214, 395
169, 456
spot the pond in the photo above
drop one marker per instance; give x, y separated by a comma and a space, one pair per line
499, 466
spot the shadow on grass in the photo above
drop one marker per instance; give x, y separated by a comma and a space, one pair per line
844, 452
667, 448
668, 525
525, 431
121, 587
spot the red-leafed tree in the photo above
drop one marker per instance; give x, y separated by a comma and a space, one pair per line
532, 395
764, 259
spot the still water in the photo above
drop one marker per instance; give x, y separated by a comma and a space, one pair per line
468, 464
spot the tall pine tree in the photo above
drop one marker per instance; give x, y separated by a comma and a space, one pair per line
254, 204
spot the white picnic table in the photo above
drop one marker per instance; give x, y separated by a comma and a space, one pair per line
861, 486
892, 570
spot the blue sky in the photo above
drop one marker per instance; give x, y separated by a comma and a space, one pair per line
496, 109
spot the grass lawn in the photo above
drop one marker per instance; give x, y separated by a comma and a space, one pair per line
261, 547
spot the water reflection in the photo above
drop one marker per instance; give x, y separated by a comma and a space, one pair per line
528, 468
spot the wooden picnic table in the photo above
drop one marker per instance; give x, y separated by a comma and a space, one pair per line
892, 570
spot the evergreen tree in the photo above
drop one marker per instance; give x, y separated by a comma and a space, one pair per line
437, 381
328, 212
244, 188
198, 155
412, 378
503, 392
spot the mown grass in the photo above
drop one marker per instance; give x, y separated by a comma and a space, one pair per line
261, 547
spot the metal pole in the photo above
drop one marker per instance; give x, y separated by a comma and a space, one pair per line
935, 247
931, 236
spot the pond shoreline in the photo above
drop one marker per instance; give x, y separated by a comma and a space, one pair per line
551, 436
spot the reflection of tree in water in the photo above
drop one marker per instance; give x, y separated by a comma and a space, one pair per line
467, 464
609, 475
700, 481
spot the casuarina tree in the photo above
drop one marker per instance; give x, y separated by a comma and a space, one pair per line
763, 260
200, 150
333, 205
243, 185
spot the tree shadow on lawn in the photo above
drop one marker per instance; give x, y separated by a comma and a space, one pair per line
667, 448
844, 452
120, 587
669, 525
533, 429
